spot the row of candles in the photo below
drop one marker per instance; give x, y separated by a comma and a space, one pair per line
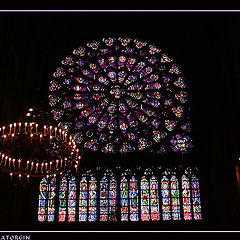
33, 128
34, 167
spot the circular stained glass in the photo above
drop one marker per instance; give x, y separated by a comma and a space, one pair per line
120, 95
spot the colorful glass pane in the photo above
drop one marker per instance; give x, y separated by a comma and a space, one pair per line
187, 213
63, 200
175, 201
72, 187
145, 216
124, 199
51, 200
196, 198
104, 199
42, 205
83, 190
112, 212
133, 198
154, 204
166, 212
92, 204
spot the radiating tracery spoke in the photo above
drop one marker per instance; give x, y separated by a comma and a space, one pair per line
121, 95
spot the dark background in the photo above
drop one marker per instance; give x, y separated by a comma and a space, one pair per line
206, 45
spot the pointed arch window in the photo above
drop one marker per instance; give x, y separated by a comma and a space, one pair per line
92, 204
63, 200
145, 216
154, 204
51, 199
133, 197
196, 197
124, 198
46, 208
42, 205
187, 213
104, 199
175, 201
72, 186
83, 199
166, 212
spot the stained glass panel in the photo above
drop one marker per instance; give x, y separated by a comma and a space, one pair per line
175, 201
72, 199
92, 204
42, 205
104, 199
112, 213
166, 211
133, 197
51, 200
83, 191
196, 198
155, 215
187, 213
145, 216
124, 199
63, 200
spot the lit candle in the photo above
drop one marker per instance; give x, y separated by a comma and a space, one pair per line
60, 130
32, 165
63, 133
44, 131
6, 158
28, 178
37, 166
36, 128
57, 163
14, 163
50, 165
10, 128
40, 138
19, 129
51, 138
11, 175
46, 166
19, 163
14, 129
31, 127
25, 129
50, 129
9, 162
55, 129
42, 167
3, 128
61, 163
19, 176
27, 164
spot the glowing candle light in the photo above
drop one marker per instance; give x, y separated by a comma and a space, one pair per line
37, 166
50, 165
61, 163
27, 164
10, 128
32, 166
57, 163
63, 135
46, 166
14, 127
36, 125
11, 174
28, 178
51, 138
14, 163
19, 176
19, 127
19, 163
25, 128
40, 138
6, 158
31, 127
55, 130
9, 162
50, 129
60, 130
42, 167
44, 129
3, 128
